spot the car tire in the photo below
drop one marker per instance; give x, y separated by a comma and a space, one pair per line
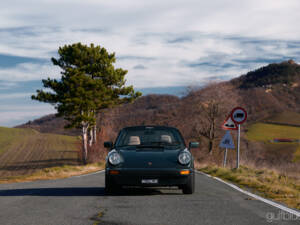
189, 187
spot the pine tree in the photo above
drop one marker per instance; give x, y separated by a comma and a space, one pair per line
89, 83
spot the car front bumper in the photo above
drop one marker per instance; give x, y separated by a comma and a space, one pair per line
134, 176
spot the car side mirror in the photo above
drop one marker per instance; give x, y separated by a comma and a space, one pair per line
108, 144
193, 145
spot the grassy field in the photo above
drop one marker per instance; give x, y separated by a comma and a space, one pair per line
286, 117
25, 151
266, 132
8, 136
264, 182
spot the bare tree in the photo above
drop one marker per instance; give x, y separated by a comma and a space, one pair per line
213, 103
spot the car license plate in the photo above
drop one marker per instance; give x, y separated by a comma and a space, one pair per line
150, 181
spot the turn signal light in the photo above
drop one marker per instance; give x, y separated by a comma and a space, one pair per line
114, 172
184, 172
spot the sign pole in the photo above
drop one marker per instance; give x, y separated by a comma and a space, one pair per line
225, 157
238, 116
238, 147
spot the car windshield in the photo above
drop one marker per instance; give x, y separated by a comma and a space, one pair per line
144, 137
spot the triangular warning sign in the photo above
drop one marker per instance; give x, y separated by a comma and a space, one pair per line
229, 124
227, 141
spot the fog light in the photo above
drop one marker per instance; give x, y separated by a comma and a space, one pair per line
114, 172
184, 172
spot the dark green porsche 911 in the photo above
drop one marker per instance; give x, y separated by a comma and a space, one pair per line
150, 156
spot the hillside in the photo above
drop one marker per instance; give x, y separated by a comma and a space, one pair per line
23, 151
50, 124
275, 73
276, 151
267, 97
265, 92
285, 118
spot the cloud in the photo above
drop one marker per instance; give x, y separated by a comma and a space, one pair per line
7, 61
160, 43
19, 114
29, 71
15, 95
7, 85
180, 40
139, 67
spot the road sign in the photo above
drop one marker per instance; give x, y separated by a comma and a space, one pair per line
227, 141
229, 124
239, 115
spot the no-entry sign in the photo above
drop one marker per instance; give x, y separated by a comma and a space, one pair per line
239, 115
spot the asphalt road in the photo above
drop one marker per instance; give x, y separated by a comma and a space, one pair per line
81, 200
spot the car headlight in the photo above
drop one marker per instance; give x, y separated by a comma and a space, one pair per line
114, 158
184, 158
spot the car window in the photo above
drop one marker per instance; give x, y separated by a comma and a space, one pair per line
149, 137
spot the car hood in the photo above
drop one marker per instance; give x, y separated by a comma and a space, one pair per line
150, 158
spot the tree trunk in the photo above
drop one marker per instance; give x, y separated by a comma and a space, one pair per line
84, 144
91, 137
211, 136
210, 146
95, 134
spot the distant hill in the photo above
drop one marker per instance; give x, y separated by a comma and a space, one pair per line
50, 124
270, 90
276, 73
285, 118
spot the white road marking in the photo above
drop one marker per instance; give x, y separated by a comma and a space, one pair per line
269, 202
84, 175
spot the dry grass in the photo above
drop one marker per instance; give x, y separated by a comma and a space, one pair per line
55, 173
266, 183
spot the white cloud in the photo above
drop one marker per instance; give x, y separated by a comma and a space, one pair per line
20, 114
15, 95
176, 42
29, 71
143, 29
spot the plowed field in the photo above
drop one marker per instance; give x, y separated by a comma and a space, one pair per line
23, 151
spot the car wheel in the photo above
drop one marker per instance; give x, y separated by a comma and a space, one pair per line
189, 187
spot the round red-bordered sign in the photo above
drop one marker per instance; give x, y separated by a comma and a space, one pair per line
238, 115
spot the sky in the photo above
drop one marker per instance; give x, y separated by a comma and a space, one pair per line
164, 45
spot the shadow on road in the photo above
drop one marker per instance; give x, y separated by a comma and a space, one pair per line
145, 191
86, 191
67, 191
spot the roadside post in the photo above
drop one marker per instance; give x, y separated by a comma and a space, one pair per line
225, 158
238, 116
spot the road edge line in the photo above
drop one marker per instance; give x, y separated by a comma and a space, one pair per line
269, 202
88, 174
